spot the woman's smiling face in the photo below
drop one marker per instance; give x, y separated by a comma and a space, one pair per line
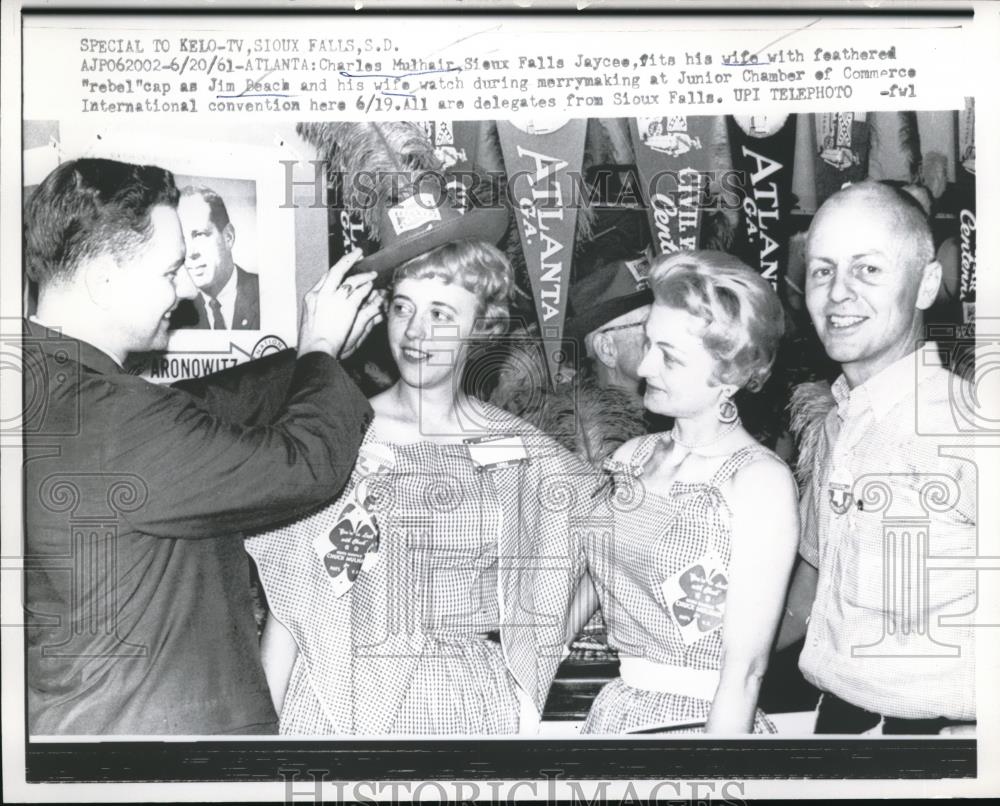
429, 322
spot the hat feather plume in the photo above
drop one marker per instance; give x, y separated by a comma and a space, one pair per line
367, 158
585, 418
809, 405
617, 132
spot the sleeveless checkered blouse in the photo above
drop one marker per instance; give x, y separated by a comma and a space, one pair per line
654, 539
433, 639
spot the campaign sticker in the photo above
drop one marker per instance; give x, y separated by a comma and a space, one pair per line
417, 211
696, 597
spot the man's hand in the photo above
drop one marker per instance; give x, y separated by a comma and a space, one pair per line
369, 314
332, 307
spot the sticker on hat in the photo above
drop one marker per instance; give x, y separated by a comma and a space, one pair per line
416, 212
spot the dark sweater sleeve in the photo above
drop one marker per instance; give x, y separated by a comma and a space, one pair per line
208, 475
252, 393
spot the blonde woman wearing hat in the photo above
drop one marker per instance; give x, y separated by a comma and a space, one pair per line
398, 610
692, 576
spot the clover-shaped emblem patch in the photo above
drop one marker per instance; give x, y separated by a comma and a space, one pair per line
349, 546
696, 597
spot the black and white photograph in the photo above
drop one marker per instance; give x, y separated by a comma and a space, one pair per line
397, 406
222, 266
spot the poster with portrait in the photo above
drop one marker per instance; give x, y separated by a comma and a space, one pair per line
235, 301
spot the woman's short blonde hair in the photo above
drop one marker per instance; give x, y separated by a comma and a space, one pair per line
476, 266
744, 319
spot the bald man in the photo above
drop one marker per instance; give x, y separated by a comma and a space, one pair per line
885, 642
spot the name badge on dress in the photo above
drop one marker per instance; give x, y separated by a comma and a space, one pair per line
490, 453
696, 597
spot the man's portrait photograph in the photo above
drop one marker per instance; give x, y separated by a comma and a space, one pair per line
218, 219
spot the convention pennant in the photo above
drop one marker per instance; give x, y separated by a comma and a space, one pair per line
841, 154
673, 156
467, 140
804, 165
938, 150
965, 181
441, 134
453, 155
763, 148
543, 161
967, 136
347, 233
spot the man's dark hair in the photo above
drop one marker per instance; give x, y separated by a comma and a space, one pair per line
89, 207
217, 212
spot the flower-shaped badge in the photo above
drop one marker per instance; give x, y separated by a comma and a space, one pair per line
696, 597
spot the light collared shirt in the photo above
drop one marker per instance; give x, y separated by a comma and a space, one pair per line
227, 302
890, 497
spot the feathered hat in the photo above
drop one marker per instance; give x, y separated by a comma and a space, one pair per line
389, 176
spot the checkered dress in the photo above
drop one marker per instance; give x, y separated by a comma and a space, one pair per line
406, 649
650, 539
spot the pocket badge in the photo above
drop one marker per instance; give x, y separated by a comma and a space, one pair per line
838, 491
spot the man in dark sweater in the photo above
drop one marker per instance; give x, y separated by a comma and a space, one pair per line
139, 619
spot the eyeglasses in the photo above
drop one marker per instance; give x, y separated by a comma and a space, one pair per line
620, 327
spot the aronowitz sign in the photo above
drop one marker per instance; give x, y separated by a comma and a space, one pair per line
541, 162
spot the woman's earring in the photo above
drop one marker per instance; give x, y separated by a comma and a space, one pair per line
728, 413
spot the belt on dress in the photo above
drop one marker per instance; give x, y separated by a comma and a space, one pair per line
666, 678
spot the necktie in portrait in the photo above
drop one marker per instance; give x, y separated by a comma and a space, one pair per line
218, 323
